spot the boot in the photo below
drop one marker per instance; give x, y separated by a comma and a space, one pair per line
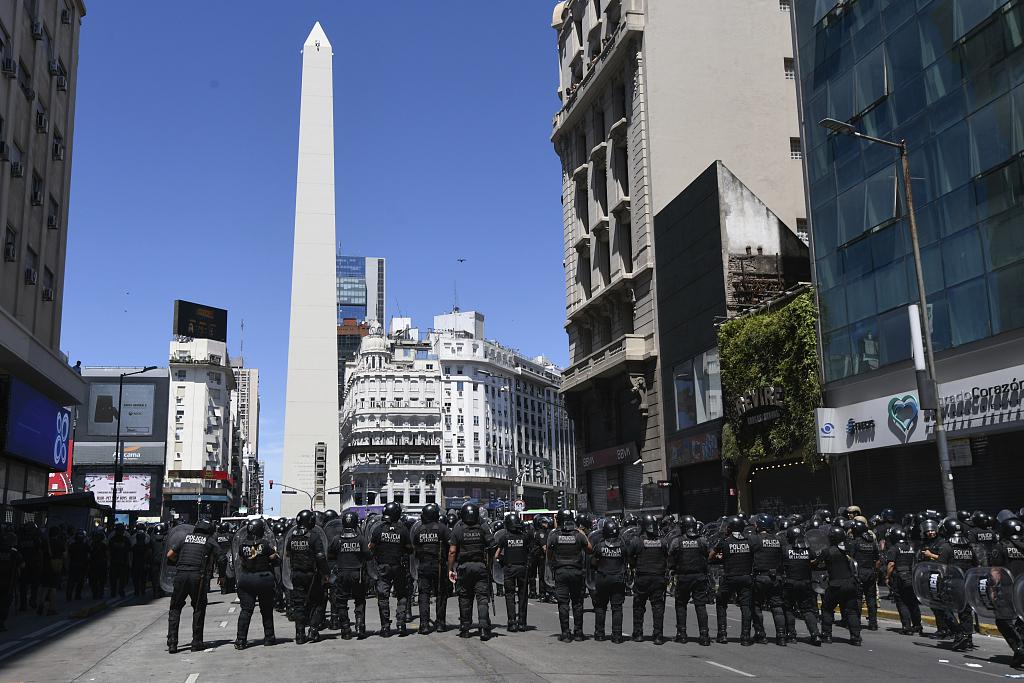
659, 639
873, 625
578, 635
600, 636
403, 631
617, 638
346, 632
440, 626
638, 637
172, 645
705, 639
240, 644
361, 629
826, 638
680, 637
385, 630
565, 637
198, 646
780, 640
1018, 660
485, 634
761, 637
464, 632
856, 640
269, 640
816, 640
722, 638
960, 644
425, 628
314, 635
300, 634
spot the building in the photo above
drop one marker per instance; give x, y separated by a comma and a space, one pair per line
350, 336
390, 425
361, 291
311, 458
939, 76
38, 82
653, 92
506, 432
245, 419
200, 457
143, 429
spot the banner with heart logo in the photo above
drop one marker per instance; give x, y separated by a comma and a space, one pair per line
903, 413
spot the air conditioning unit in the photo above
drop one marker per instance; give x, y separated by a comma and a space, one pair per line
53, 66
58, 151
37, 29
36, 199
17, 169
47, 293
51, 222
62, 83
9, 252
42, 122
65, 16
9, 67
31, 276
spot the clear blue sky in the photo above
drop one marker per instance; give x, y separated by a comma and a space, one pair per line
183, 181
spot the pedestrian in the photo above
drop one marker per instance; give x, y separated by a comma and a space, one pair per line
734, 552
566, 549
349, 572
192, 553
609, 564
306, 555
797, 586
648, 557
252, 566
468, 551
390, 545
688, 559
843, 589
430, 543
513, 555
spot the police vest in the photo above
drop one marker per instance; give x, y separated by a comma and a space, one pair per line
254, 556
866, 554
428, 543
1012, 556
388, 545
610, 561
514, 552
566, 546
737, 558
796, 563
837, 563
903, 558
651, 557
473, 547
689, 555
963, 553
194, 552
767, 551
348, 551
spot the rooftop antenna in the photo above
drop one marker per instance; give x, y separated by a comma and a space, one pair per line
241, 342
455, 307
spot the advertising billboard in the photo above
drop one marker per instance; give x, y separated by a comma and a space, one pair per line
137, 409
199, 321
134, 492
38, 429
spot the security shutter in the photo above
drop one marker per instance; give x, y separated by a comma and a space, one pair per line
790, 489
699, 488
632, 481
598, 481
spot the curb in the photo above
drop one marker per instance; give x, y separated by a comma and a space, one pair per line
87, 612
987, 629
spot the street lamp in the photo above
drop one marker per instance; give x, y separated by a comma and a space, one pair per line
929, 386
118, 455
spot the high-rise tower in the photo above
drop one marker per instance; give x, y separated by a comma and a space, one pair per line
311, 410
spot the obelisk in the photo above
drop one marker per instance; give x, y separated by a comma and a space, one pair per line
311, 404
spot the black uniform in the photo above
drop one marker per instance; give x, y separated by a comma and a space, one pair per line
946, 620
866, 553
256, 583
900, 558
223, 540
985, 542
11, 565
350, 553
738, 562
965, 558
472, 544
538, 561
798, 590
307, 559
609, 585
430, 543
391, 547
159, 543
98, 566
1009, 553
32, 547
78, 567
142, 555
566, 547
194, 553
842, 591
119, 547
515, 549
689, 560
767, 586
649, 559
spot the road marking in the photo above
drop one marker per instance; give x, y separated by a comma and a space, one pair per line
223, 624
231, 610
973, 671
729, 668
192, 678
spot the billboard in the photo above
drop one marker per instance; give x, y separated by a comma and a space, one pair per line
135, 453
38, 429
134, 493
200, 322
137, 409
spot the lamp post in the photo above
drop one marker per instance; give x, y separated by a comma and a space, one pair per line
929, 386
118, 455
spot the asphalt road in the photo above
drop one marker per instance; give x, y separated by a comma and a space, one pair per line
126, 643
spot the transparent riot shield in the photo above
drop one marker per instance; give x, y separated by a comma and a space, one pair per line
1018, 596
167, 570
286, 557
817, 540
497, 573
332, 530
990, 592
371, 564
940, 586
240, 538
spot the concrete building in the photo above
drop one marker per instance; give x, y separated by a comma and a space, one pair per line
200, 453
653, 92
311, 445
38, 83
245, 419
390, 426
350, 336
361, 288
941, 76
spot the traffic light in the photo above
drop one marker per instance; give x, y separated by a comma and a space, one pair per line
561, 500
271, 484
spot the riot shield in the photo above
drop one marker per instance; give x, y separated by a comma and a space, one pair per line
817, 540
497, 573
332, 530
240, 537
589, 574
940, 586
371, 564
167, 570
286, 559
1018, 596
990, 592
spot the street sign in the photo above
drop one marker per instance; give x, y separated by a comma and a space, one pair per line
519, 505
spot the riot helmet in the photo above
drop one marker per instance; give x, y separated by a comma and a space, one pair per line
929, 528
330, 515
514, 523
306, 519
889, 516
734, 524
350, 520
256, 528
981, 520
470, 514
1012, 529
610, 529
565, 518
649, 524
823, 515
452, 518
764, 522
392, 512
431, 512
859, 528
896, 535
836, 535
951, 527
795, 536
963, 516
224, 528
797, 520
688, 525
875, 521
203, 526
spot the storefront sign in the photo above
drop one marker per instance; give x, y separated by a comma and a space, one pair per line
626, 454
693, 449
990, 400
37, 428
103, 453
893, 420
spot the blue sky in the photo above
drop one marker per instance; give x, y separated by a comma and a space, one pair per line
183, 182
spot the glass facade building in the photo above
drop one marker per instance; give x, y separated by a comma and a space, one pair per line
351, 275
946, 76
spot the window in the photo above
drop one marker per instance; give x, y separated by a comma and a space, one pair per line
709, 386
10, 244
795, 150
784, 5
801, 229
789, 69
685, 390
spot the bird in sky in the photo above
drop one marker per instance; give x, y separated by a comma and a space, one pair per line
461, 260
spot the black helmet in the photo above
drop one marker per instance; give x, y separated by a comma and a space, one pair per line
393, 511
931, 514
951, 527
795, 536
734, 524
981, 520
929, 528
497, 526
896, 535
565, 517
514, 523
823, 515
688, 525
764, 522
452, 518
859, 528
1004, 515
649, 524
836, 535
889, 516
875, 521
255, 528
349, 520
610, 529
963, 516
908, 520
797, 519
203, 526
1012, 529
785, 523
330, 515
470, 514
306, 519
431, 512
816, 523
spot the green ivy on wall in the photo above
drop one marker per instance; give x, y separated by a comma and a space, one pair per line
775, 348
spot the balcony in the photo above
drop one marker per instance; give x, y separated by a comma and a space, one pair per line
582, 243
619, 286
622, 205
600, 228
606, 361
579, 174
599, 152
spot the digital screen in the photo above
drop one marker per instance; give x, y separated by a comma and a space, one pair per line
200, 322
38, 429
137, 407
133, 492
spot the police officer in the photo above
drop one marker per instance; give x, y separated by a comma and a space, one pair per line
142, 556
766, 548
609, 562
307, 558
513, 554
734, 552
192, 554
256, 557
541, 529
866, 553
78, 565
1009, 553
430, 541
564, 550
965, 558
119, 547
932, 547
983, 536
797, 589
899, 576
98, 558
11, 566
648, 557
468, 552
349, 571
158, 539
843, 589
688, 557
223, 539
390, 546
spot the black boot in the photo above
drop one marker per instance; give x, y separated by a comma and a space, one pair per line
816, 640
578, 636
565, 637
198, 646
659, 639
402, 630
780, 640
385, 630
485, 633
172, 645
300, 634
722, 638
705, 639
360, 629
269, 640
240, 644
680, 637
638, 636
314, 635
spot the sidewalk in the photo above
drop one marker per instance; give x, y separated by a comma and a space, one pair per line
29, 626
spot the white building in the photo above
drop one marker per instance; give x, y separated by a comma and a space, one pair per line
245, 416
199, 428
390, 425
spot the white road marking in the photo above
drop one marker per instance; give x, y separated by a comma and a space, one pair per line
729, 668
231, 610
192, 678
223, 624
973, 666
984, 673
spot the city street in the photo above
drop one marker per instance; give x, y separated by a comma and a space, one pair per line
126, 643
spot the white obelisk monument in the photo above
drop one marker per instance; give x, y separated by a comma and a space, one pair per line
311, 406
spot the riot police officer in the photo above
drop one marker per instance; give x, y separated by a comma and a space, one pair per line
797, 589
983, 536
688, 557
256, 557
734, 552
766, 587
513, 554
609, 562
390, 546
141, 556
158, 538
865, 552
964, 557
468, 552
349, 572
223, 539
78, 566
648, 557
843, 589
119, 547
565, 551
307, 565
430, 541
192, 554
541, 590
1009, 553
899, 575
